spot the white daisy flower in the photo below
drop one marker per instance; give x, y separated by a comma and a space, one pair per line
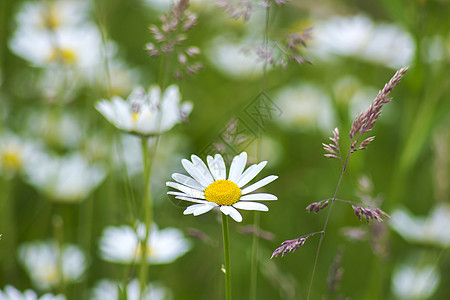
69, 179
413, 282
62, 130
230, 58
433, 229
123, 244
305, 107
40, 259
107, 289
146, 113
50, 15
360, 37
15, 154
11, 293
210, 188
78, 47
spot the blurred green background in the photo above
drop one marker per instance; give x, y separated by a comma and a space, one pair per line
407, 164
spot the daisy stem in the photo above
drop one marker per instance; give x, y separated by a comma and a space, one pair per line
147, 206
9, 226
58, 225
254, 263
226, 249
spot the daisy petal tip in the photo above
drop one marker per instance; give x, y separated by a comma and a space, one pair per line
167, 183
194, 157
237, 218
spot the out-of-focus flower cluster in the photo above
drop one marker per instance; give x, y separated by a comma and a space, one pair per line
59, 38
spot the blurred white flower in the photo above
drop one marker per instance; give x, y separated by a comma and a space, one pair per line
78, 47
122, 244
107, 289
232, 60
11, 293
121, 78
433, 229
271, 149
409, 282
305, 107
69, 179
359, 36
50, 15
60, 130
40, 260
15, 154
146, 113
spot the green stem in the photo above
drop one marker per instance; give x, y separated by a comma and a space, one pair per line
147, 206
255, 242
8, 229
58, 225
226, 249
254, 264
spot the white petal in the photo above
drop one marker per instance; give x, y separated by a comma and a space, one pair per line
190, 209
217, 167
191, 192
235, 214
186, 108
106, 109
147, 121
154, 96
174, 193
250, 173
248, 205
259, 184
204, 209
260, 196
137, 95
123, 114
229, 210
200, 165
186, 180
225, 209
195, 172
190, 199
237, 166
170, 108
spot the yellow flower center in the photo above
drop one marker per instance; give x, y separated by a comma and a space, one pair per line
140, 250
51, 19
11, 160
51, 273
64, 56
135, 116
223, 192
